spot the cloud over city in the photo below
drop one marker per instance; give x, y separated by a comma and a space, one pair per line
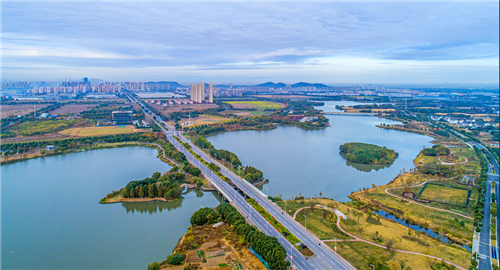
330, 42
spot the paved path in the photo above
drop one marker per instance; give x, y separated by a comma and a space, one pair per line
421, 204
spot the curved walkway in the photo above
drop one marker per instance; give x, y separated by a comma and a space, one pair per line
163, 150
421, 204
458, 163
368, 242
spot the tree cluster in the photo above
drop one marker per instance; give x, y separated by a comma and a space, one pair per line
191, 170
436, 150
253, 175
204, 216
165, 186
225, 155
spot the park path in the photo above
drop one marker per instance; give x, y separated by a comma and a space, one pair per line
421, 204
368, 242
458, 163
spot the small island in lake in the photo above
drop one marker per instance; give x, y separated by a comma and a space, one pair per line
365, 153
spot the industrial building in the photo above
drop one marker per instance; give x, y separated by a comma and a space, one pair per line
122, 117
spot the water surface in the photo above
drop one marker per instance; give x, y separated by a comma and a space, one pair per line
304, 162
51, 218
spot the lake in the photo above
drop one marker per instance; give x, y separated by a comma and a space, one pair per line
308, 162
51, 218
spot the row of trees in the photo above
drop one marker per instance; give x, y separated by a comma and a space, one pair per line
481, 181
12, 148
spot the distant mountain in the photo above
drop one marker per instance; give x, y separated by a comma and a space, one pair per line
304, 84
272, 85
170, 84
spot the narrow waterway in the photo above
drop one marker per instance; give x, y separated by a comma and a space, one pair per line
51, 218
304, 162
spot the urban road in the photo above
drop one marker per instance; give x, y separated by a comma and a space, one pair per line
324, 258
486, 250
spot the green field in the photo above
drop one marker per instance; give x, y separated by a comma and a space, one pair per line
449, 195
255, 105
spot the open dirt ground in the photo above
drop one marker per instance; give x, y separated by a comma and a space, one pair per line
73, 108
21, 109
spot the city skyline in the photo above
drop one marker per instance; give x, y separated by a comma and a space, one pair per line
252, 43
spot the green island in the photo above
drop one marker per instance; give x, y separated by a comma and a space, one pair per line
367, 153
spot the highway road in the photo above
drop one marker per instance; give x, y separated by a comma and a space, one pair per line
325, 257
485, 248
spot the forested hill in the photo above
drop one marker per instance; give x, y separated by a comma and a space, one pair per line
367, 153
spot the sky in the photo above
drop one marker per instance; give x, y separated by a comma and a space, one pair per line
252, 42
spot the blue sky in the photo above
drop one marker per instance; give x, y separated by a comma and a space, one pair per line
254, 42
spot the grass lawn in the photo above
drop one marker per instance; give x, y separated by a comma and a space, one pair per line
361, 255
324, 229
96, 131
387, 231
449, 195
440, 221
255, 104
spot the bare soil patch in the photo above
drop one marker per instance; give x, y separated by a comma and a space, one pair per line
21, 109
73, 108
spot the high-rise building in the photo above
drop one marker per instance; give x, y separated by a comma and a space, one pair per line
200, 95
193, 92
211, 93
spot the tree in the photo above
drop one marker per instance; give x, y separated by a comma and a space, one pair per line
410, 232
160, 190
176, 259
151, 190
141, 192
418, 234
402, 263
154, 266
156, 175
378, 218
360, 229
370, 214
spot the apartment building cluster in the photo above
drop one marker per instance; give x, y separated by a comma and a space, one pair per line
79, 88
198, 92
228, 92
